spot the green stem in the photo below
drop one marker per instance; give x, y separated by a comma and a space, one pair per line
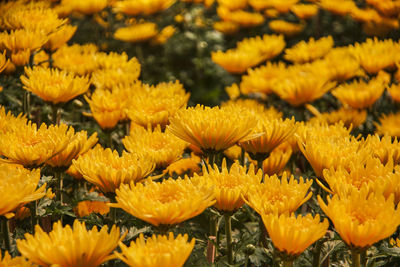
288, 263
6, 234
246, 262
56, 114
317, 253
355, 257
364, 258
26, 103
109, 137
228, 234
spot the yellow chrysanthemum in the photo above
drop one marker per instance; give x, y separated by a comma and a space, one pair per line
18, 261
21, 57
269, 46
23, 40
303, 11
53, 85
338, 7
163, 147
107, 170
261, 79
298, 87
384, 148
142, 7
237, 60
67, 247
156, 104
241, 17
292, 235
375, 55
212, 128
86, 7
372, 175
87, 207
255, 107
351, 118
388, 125
165, 251
275, 132
286, 28
3, 61
309, 51
229, 185
7, 119
60, 37
190, 165
107, 107
78, 145
394, 90
278, 195
279, 5
78, 59
276, 161
233, 5
137, 33
29, 146
360, 94
18, 186
330, 146
362, 218
167, 203
226, 27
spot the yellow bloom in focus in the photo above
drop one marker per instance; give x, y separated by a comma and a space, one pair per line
153, 105
23, 40
276, 161
137, 33
32, 147
3, 61
351, 118
107, 107
304, 52
298, 87
292, 235
53, 85
212, 128
226, 27
86, 7
18, 261
303, 11
163, 147
237, 60
362, 218
285, 28
275, 132
18, 186
384, 148
156, 251
278, 195
78, 59
115, 69
21, 57
164, 35
261, 79
167, 203
394, 91
388, 125
360, 94
107, 170
142, 7
60, 37
269, 46
229, 185
375, 55
255, 107
85, 208
67, 247
7, 120
78, 145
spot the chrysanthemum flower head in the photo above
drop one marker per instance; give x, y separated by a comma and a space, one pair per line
304, 52
153, 105
60, 37
269, 46
24, 40
384, 148
18, 186
66, 246
394, 91
303, 11
226, 27
292, 234
31, 147
233, 5
167, 203
360, 94
278, 195
18, 261
241, 17
279, 5
255, 107
142, 7
362, 218
277, 160
78, 59
3, 61
87, 207
137, 33
107, 170
164, 147
341, 8
189, 165
53, 85
229, 184
351, 118
286, 28
388, 125
85, 7
212, 128
167, 251
237, 60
